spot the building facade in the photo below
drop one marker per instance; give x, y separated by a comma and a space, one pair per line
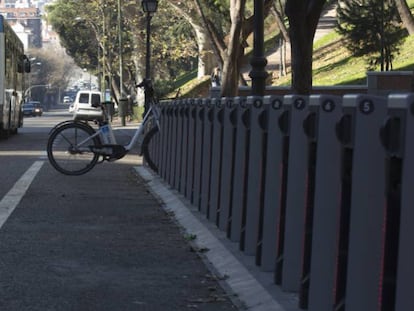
25, 18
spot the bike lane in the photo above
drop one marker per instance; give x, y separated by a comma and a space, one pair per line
100, 241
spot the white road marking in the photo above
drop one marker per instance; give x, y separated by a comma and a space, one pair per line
23, 153
13, 197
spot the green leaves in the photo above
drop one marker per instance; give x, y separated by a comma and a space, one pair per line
371, 28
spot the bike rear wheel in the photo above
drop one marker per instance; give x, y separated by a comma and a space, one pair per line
66, 154
146, 149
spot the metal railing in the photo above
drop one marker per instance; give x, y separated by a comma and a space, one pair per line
317, 188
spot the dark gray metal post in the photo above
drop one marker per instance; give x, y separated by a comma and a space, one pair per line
258, 60
368, 205
273, 183
403, 109
326, 213
148, 58
296, 193
255, 173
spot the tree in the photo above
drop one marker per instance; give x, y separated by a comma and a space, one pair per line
84, 37
278, 12
231, 56
88, 26
221, 28
205, 54
303, 16
49, 68
372, 29
229, 45
405, 15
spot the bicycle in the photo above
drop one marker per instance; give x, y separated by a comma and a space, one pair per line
75, 147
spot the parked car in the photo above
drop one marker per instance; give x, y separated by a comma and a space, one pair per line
32, 108
87, 106
67, 100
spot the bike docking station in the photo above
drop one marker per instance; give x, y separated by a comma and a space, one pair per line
206, 155
176, 142
217, 118
169, 126
322, 198
275, 145
315, 190
180, 116
366, 214
251, 228
172, 133
198, 134
238, 193
397, 265
163, 139
184, 150
289, 253
192, 124
228, 153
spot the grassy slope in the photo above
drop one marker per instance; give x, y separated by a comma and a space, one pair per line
334, 65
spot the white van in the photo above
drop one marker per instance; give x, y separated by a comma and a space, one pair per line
87, 106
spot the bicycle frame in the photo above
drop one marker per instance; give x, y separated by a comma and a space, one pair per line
140, 128
79, 145
138, 132
72, 157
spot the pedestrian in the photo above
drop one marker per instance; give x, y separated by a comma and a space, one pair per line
216, 77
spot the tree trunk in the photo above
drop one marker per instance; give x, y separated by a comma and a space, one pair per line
206, 59
280, 24
206, 50
303, 18
405, 15
231, 68
278, 14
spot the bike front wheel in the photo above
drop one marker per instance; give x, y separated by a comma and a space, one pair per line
69, 148
147, 149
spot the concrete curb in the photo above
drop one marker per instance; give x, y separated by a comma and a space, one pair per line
237, 277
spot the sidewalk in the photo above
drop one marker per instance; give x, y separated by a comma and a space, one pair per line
244, 283
101, 242
119, 239
255, 290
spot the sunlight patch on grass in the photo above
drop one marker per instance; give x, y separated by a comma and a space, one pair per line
333, 64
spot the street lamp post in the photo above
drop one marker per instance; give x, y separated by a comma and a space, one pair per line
121, 59
149, 7
258, 61
123, 101
32, 63
382, 37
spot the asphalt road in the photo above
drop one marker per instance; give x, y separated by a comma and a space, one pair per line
100, 241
